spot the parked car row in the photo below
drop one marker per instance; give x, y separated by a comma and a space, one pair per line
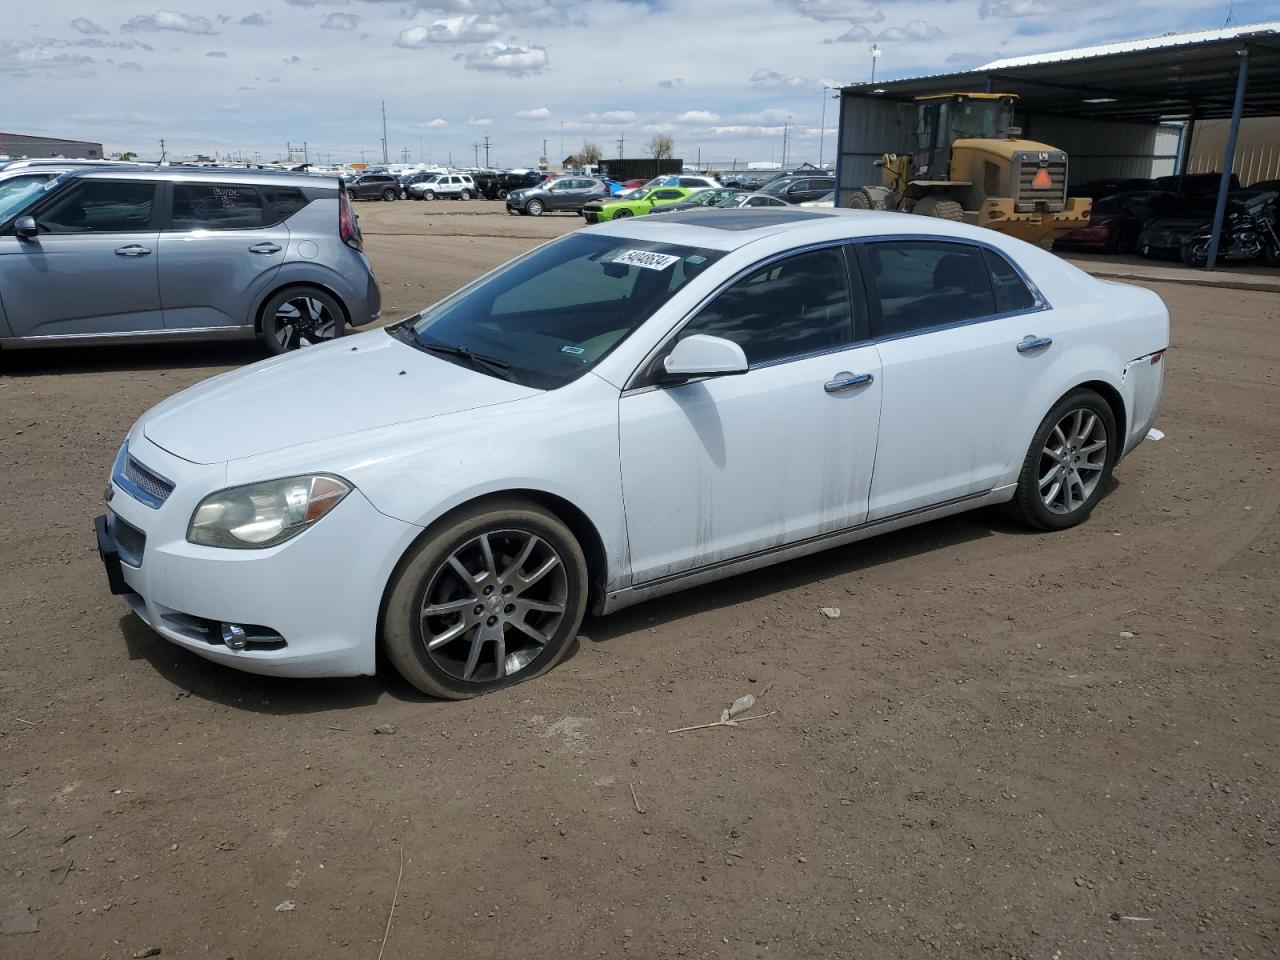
111, 254
1155, 219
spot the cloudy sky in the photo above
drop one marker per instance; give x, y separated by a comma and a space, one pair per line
718, 76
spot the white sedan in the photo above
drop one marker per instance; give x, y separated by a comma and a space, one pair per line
626, 411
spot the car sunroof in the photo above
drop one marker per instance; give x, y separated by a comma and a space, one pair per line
748, 219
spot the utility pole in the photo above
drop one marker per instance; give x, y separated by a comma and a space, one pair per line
622, 142
822, 126
419, 149
162, 149
384, 131
561, 139
486, 149
305, 157
786, 129
875, 55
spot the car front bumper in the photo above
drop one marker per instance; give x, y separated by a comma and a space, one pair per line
309, 606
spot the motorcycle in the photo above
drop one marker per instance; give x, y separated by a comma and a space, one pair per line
1247, 234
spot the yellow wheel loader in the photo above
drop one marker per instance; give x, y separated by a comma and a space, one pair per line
968, 164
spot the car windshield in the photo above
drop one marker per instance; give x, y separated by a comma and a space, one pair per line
16, 191
545, 319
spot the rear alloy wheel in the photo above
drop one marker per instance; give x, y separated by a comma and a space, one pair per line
534, 208
465, 195
1068, 464
1195, 254
494, 598
301, 317
389, 194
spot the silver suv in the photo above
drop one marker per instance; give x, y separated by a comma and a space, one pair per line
128, 255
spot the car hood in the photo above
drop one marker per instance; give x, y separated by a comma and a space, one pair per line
357, 383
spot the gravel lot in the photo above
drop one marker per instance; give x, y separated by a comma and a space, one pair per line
1008, 744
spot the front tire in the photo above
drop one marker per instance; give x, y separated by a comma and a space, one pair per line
534, 208
622, 214
1069, 463
939, 207
428, 194
1196, 253
516, 564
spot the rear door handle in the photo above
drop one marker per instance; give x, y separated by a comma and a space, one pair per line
845, 380
265, 247
132, 250
1029, 343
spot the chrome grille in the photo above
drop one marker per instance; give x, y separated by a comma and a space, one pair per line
156, 487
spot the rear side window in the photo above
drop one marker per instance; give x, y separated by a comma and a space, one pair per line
790, 308
100, 206
284, 202
1011, 291
216, 206
668, 195
919, 284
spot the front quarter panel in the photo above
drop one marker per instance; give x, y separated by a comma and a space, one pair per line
562, 442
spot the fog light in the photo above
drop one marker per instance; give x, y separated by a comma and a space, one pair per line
234, 637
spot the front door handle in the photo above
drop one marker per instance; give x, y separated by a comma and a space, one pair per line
1029, 343
844, 380
265, 247
132, 250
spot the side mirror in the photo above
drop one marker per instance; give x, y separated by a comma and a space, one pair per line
26, 227
704, 356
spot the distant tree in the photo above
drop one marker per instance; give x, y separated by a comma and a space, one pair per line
661, 147
589, 155
572, 162
127, 155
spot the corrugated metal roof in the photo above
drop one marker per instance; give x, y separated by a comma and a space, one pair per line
1130, 46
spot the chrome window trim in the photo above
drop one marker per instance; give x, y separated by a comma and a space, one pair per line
1041, 302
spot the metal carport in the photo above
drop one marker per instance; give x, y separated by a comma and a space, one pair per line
1107, 95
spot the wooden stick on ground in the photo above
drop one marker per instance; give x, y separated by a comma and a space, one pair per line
723, 723
394, 897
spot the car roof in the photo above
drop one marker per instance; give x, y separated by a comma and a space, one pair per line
730, 229
270, 178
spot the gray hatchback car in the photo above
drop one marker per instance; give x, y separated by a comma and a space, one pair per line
122, 255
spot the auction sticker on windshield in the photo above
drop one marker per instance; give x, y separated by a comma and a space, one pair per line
645, 258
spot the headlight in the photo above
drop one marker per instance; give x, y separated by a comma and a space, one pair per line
264, 514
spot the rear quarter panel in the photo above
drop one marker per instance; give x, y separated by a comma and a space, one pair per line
1098, 328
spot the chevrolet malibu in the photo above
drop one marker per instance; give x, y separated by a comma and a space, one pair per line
626, 411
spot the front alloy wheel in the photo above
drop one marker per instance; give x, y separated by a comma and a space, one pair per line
1066, 470
534, 208
494, 599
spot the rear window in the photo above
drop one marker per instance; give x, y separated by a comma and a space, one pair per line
284, 201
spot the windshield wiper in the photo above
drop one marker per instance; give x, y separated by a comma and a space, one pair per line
475, 359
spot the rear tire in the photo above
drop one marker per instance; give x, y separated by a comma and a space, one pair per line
860, 200
939, 207
502, 194
351, 194
1196, 253
465, 195
299, 317
1068, 465
522, 630
388, 194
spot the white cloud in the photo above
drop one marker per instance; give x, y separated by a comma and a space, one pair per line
765, 79
536, 113
480, 121
698, 116
254, 20
439, 123
85, 25
169, 20
340, 21
468, 29
131, 65
912, 30
613, 116
1034, 8
850, 11
413, 37
217, 54
511, 56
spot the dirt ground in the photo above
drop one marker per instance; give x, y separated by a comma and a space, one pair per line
1008, 744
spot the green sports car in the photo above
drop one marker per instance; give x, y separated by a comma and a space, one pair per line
616, 208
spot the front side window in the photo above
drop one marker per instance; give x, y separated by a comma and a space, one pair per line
790, 308
17, 192
919, 284
100, 206
553, 314
216, 206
